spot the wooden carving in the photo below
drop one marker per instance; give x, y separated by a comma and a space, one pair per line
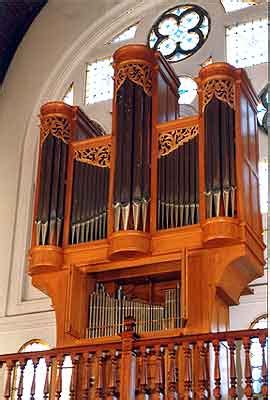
222, 89
169, 141
56, 125
99, 156
138, 73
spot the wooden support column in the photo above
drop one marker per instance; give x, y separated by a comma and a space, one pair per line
128, 361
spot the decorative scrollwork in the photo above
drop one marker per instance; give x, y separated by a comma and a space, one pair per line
99, 156
138, 73
169, 141
56, 125
222, 89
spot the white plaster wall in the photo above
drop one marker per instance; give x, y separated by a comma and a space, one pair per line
65, 36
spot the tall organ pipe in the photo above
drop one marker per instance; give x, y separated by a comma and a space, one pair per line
178, 186
50, 212
219, 159
132, 168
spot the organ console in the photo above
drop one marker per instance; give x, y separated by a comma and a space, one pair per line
159, 220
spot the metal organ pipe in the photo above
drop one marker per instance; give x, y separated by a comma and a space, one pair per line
178, 186
107, 313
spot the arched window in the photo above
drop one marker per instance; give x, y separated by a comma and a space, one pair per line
28, 372
256, 353
35, 345
180, 32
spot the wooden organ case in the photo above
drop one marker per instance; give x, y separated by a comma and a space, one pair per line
159, 221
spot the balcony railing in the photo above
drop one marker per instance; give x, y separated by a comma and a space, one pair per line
215, 365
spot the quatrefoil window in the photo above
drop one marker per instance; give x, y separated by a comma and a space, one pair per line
180, 32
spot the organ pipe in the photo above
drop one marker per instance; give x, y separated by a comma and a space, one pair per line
107, 313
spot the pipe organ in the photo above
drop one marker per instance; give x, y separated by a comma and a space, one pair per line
159, 220
108, 313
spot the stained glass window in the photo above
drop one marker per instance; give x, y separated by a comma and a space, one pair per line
187, 90
247, 43
99, 82
256, 355
180, 32
69, 95
233, 5
263, 109
127, 34
263, 181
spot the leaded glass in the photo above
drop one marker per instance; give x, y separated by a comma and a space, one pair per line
69, 95
233, 5
263, 109
247, 43
180, 32
127, 34
187, 90
263, 182
256, 355
99, 82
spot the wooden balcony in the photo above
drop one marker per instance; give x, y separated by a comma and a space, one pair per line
214, 365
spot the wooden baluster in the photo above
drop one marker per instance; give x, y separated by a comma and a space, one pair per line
74, 376
100, 377
128, 361
158, 389
172, 391
58, 386
187, 372
248, 373
112, 393
264, 388
35, 362
85, 375
7, 391
46, 388
202, 381
233, 379
21, 380
143, 389
217, 376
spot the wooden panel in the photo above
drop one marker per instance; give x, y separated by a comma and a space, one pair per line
246, 193
77, 305
162, 100
244, 125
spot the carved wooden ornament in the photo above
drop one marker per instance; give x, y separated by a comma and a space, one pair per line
170, 141
56, 125
222, 89
98, 156
139, 73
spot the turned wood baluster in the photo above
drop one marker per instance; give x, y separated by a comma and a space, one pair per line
142, 389
217, 376
202, 381
248, 373
158, 389
100, 377
58, 386
74, 376
264, 389
7, 391
233, 379
112, 393
33, 386
172, 391
85, 375
20, 385
46, 388
187, 372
